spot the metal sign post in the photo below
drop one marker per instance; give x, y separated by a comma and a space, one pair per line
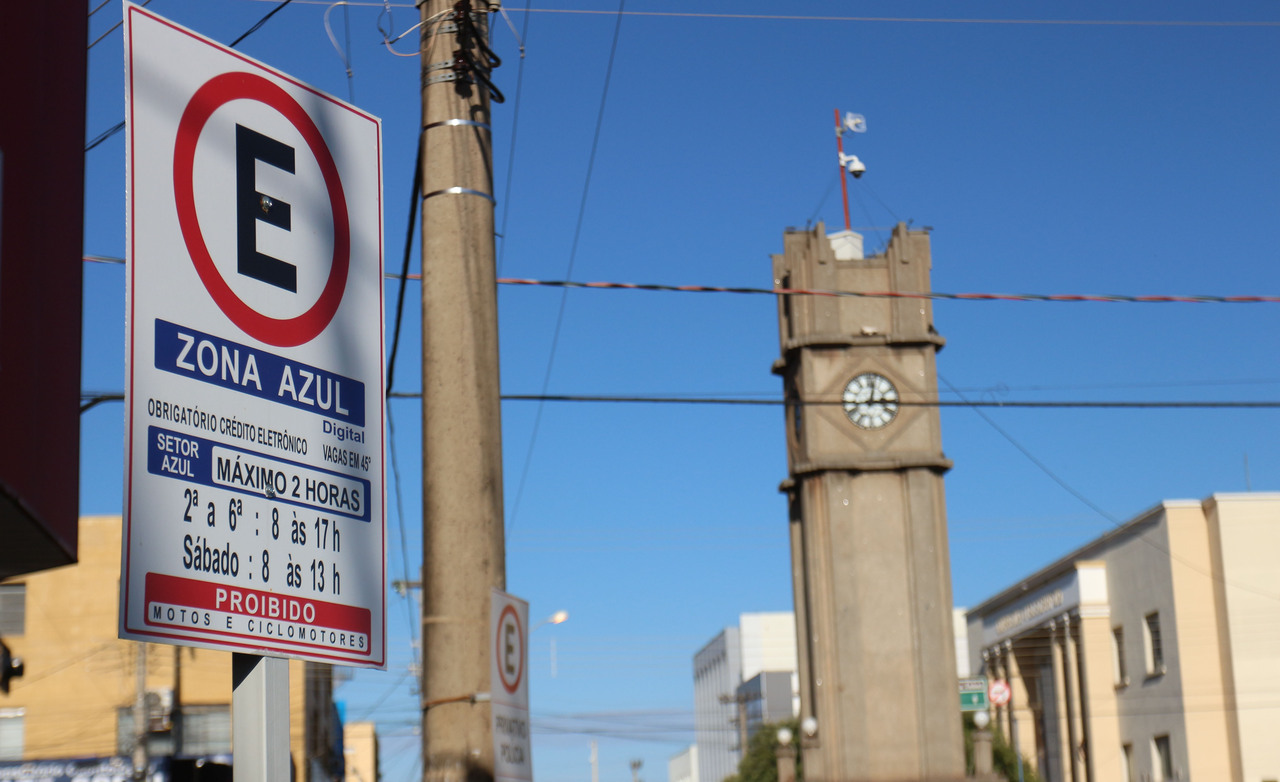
260, 717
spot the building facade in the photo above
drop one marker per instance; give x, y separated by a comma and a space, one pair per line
683, 766
1150, 654
78, 695
717, 672
762, 642
360, 749
768, 698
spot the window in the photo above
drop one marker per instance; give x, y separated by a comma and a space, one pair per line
13, 610
206, 730
785, 283
1161, 759
1126, 758
158, 742
1117, 657
1155, 649
11, 733
203, 730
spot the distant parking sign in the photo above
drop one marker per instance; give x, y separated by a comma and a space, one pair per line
254, 500
509, 686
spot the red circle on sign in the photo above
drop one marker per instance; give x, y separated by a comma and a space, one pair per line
212, 95
509, 686
999, 692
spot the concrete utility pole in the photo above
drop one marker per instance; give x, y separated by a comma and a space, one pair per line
463, 548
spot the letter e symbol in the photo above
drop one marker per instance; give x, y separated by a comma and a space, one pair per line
252, 206
507, 658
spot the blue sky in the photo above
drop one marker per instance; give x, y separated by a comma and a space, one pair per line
1054, 158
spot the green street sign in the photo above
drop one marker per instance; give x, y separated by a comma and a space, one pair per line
973, 693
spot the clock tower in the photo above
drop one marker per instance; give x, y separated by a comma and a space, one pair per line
869, 553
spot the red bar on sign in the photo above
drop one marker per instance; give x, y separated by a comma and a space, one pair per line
252, 602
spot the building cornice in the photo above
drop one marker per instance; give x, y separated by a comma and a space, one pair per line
877, 463
840, 340
1089, 551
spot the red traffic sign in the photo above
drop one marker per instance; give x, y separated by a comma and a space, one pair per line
999, 692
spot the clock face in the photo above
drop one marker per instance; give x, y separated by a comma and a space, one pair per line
870, 401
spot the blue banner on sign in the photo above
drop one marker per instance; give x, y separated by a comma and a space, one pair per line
258, 373
208, 463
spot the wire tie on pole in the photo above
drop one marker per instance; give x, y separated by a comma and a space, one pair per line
458, 123
459, 191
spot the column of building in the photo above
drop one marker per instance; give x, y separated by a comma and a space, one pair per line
1067, 706
1075, 699
1100, 720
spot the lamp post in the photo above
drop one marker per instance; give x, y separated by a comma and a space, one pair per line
786, 753
982, 758
557, 618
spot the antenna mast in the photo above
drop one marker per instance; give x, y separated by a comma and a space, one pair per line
844, 185
858, 124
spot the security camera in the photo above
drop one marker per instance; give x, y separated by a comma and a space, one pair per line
854, 166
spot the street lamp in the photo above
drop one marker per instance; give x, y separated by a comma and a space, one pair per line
557, 618
786, 756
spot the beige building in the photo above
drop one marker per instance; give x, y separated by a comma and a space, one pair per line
77, 696
360, 748
1151, 653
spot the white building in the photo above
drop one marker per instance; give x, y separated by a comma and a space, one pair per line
762, 642
683, 766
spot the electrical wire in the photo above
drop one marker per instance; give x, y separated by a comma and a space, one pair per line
923, 20
1030, 456
89, 401
260, 23
940, 403
931, 295
893, 19
1057, 298
114, 129
1116, 523
113, 28
104, 135
831, 187
515, 127
411, 604
573, 255
404, 265
343, 55
466, 27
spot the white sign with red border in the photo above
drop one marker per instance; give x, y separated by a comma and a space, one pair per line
509, 688
254, 466
999, 692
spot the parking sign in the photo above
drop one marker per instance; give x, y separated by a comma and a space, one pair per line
254, 499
